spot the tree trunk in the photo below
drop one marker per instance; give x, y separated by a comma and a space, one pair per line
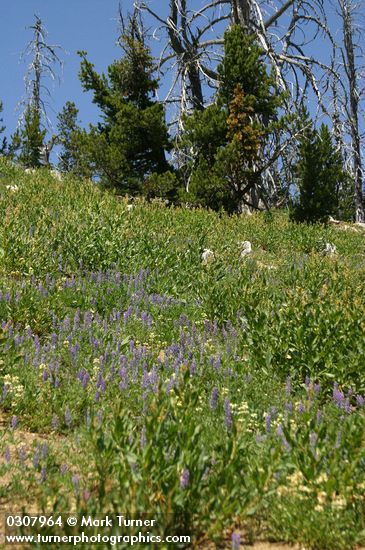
351, 72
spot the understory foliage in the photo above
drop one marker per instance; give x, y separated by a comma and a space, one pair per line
225, 398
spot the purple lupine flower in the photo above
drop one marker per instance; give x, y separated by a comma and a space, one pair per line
5, 391
214, 398
54, 422
14, 422
43, 475
288, 386
268, 419
100, 383
317, 388
319, 417
84, 377
76, 483
36, 458
124, 378
227, 413
301, 408
247, 378
143, 437
281, 434
100, 417
7, 455
313, 441
360, 401
184, 478
236, 541
193, 367
63, 469
68, 417
22, 452
347, 406
259, 438
170, 384
338, 396
44, 450
127, 314
289, 407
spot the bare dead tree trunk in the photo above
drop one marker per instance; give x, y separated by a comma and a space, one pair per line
351, 70
241, 14
43, 57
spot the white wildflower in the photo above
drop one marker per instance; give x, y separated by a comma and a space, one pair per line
246, 248
12, 188
207, 256
330, 249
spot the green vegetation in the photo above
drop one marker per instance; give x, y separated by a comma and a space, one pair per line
130, 143
221, 397
321, 175
230, 137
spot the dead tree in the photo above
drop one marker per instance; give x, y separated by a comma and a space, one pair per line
43, 58
193, 46
346, 10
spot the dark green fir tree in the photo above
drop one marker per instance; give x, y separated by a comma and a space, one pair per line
320, 174
229, 137
67, 137
27, 142
129, 143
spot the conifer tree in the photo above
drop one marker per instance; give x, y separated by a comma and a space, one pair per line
228, 139
130, 142
27, 141
67, 131
320, 175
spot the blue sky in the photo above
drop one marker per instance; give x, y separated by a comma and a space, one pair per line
89, 25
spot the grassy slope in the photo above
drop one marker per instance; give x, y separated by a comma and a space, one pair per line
114, 331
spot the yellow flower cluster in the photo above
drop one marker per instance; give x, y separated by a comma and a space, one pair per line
14, 387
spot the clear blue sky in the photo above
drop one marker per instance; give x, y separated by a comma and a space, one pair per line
89, 25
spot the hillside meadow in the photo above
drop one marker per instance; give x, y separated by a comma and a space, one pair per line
224, 398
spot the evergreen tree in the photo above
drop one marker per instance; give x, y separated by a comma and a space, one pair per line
130, 142
27, 142
228, 139
320, 175
67, 132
